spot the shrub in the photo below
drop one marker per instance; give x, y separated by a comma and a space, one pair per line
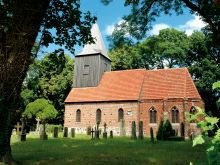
167, 130
160, 131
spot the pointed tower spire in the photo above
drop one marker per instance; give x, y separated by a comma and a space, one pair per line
98, 46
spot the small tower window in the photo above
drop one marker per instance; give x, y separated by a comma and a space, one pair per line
175, 115
86, 70
78, 115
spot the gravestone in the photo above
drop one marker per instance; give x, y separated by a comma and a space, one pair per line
151, 134
38, 125
72, 132
23, 130
88, 131
141, 133
133, 130
97, 131
182, 130
111, 134
92, 133
105, 133
55, 132
18, 128
122, 127
65, 132
43, 134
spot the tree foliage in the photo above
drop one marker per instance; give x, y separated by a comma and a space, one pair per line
50, 78
144, 12
173, 48
40, 108
209, 123
21, 22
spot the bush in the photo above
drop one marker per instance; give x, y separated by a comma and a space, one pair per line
176, 138
167, 130
160, 131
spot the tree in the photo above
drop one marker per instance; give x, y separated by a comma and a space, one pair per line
207, 124
21, 22
144, 12
42, 109
50, 78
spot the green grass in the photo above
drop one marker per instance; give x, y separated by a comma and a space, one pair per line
118, 151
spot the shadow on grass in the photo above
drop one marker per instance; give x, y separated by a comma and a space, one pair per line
107, 151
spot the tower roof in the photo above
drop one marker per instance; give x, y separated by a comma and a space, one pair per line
97, 47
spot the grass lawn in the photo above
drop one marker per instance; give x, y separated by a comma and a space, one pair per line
83, 151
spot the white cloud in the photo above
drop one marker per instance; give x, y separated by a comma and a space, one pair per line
110, 28
157, 27
194, 24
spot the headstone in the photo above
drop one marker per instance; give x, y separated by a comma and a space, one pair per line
133, 130
151, 135
105, 133
43, 134
97, 131
55, 132
111, 134
182, 129
88, 131
23, 130
72, 132
122, 127
141, 133
38, 125
65, 132
92, 133
18, 128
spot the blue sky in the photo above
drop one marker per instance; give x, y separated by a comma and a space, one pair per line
112, 14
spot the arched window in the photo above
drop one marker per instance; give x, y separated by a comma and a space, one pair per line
78, 115
192, 111
153, 115
98, 115
175, 115
120, 114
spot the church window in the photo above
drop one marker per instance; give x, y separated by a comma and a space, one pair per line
192, 111
175, 115
78, 115
120, 114
98, 115
153, 115
86, 70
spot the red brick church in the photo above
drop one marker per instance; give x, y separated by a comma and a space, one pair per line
100, 94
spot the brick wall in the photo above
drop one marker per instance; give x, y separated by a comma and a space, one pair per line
133, 111
109, 115
164, 108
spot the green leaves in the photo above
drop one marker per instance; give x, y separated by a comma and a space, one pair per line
40, 108
198, 140
216, 85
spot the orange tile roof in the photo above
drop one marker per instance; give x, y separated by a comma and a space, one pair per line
138, 84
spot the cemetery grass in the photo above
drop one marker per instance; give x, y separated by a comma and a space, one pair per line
81, 150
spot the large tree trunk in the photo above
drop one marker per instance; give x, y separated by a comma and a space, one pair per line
15, 58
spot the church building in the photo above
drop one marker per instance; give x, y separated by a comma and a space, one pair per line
119, 97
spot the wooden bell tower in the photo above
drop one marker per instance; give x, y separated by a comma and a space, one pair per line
91, 62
